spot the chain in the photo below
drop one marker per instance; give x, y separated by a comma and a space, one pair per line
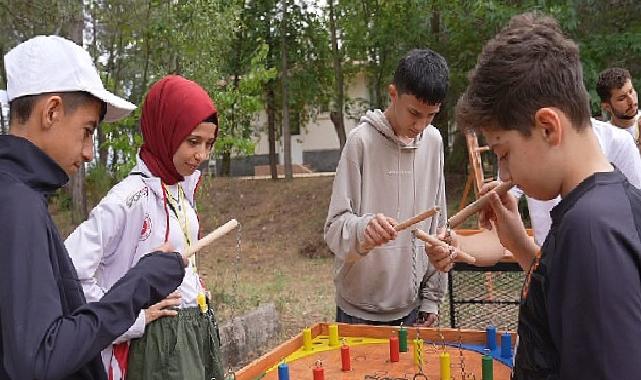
419, 351
414, 255
464, 374
236, 293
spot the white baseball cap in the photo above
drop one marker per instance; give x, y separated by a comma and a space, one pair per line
54, 64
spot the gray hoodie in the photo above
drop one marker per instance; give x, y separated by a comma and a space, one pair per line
378, 173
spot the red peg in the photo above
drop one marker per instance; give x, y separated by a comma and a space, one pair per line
346, 362
319, 372
394, 348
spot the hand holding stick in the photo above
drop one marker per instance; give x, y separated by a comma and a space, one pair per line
202, 243
364, 247
476, 206
458, 255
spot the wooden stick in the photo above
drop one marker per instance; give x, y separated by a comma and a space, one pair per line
476, 206
215, 234
431, 240
416, 219
364, 247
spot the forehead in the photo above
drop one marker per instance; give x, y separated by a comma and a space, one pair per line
206, 129
497, 137
627, 86
412, 101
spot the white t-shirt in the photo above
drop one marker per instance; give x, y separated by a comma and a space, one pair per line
633, 130
618, 147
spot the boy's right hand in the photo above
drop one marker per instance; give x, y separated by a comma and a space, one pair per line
380, 230
440, 254
502, 212
168, 248
164, 308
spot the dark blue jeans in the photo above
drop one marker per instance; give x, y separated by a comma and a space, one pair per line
407, 320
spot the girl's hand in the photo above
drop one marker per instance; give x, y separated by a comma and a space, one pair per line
164, 308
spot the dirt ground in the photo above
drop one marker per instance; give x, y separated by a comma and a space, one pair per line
282, 257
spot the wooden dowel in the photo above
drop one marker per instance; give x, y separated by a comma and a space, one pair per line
476, 206
416, 219
364, 247
205, 241
432, 240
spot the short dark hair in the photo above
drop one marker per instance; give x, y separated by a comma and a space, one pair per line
423, 74
20, 109
610, 79
528, 65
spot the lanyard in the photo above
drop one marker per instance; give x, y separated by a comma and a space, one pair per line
178, 205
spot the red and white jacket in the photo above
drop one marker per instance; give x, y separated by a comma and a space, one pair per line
132, 220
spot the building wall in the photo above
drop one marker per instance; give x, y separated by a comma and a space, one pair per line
241, 167
317, 146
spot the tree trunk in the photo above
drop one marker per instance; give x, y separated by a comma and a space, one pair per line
225, 169
442, 118
77, 182
236, 70
287, 140
271, 129
3, 75
100, 134
337, 113
3, 123
379, 86
271, 104
441, 123
137, 96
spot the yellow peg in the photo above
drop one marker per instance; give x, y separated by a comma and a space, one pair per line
202, 302
307, 339
333, 335
444, 358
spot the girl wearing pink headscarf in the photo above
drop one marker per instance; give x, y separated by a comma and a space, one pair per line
174, 339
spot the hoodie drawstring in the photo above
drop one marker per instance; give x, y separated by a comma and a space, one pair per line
398, 184
413, 238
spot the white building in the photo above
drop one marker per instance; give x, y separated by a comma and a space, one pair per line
317, 145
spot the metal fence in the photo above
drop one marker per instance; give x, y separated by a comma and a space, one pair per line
478, 297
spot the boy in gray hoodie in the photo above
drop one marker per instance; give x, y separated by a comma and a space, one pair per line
391, 169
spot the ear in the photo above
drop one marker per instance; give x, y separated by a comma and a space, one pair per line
606, 106
52, 111
548, 122
393, 93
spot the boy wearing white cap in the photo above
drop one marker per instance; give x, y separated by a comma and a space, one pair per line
47, 331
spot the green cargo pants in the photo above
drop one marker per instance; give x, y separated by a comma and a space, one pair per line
185, 347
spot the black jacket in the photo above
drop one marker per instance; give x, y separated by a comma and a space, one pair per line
47, 331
